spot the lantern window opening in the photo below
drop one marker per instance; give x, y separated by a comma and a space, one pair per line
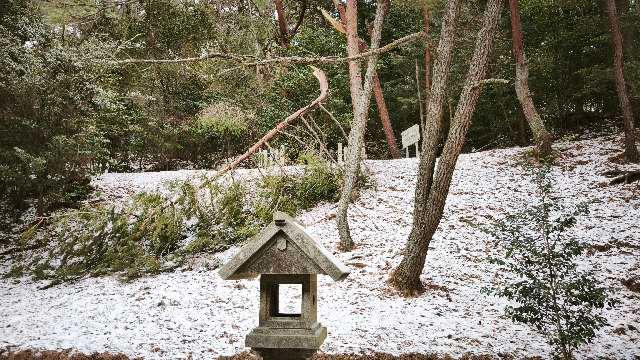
289, 300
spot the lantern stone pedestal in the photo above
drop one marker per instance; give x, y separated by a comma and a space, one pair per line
286, 344
283, 253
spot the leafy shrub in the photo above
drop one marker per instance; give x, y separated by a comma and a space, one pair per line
152, 233
156, 232
319, 182
550, 293
221, 120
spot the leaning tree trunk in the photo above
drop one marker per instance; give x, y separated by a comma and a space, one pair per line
406, 277
361, 97
355, 86
542, 138
432, 188
630, 149
383, 111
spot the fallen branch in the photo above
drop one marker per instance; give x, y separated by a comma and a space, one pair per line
324, 90
344, 134
248, 60
622, 177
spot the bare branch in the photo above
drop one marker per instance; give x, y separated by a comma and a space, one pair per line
248, 60
344, 134
324, 90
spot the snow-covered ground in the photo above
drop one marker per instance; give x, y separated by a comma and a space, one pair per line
172, 315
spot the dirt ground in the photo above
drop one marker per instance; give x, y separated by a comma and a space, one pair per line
68, 355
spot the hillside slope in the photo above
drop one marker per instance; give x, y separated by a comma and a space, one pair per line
172, 315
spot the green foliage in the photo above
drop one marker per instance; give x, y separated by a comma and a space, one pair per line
152, 233
67, 113
551, 292
49, 139
222, 120
319, 182
156, 232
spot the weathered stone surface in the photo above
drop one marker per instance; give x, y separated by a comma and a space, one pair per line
300, 254
269, 314
283, 253
268, 338
280, 256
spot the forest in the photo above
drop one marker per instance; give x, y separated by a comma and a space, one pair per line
465, 172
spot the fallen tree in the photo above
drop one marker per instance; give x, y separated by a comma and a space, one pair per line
324, 91
622, 177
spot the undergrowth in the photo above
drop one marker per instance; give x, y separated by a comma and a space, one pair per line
550, 291
156, 232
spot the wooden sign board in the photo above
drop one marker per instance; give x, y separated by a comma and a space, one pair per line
410, 136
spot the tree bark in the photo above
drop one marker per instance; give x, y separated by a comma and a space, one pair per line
426, 16
283, 26
383, 112
282, 22
541, 137
361, 97
432, 188
406, 277
385, 119
630, 149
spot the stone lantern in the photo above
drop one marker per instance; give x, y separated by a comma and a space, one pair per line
283, 253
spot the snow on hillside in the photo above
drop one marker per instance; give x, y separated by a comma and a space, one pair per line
172, 315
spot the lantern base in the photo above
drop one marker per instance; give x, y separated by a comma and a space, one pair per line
285, 354
286, 344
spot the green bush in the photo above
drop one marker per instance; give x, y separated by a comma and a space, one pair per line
319, 182
152, 233
156, 232
550, 293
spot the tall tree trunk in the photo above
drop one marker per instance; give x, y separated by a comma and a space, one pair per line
282, 22
383, 112
432, 188
361, 97
407, 276
541, 137
630, 149
426, 16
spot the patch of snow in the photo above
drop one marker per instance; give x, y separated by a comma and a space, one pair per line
194, 312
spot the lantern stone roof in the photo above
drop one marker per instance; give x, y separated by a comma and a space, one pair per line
283, 247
